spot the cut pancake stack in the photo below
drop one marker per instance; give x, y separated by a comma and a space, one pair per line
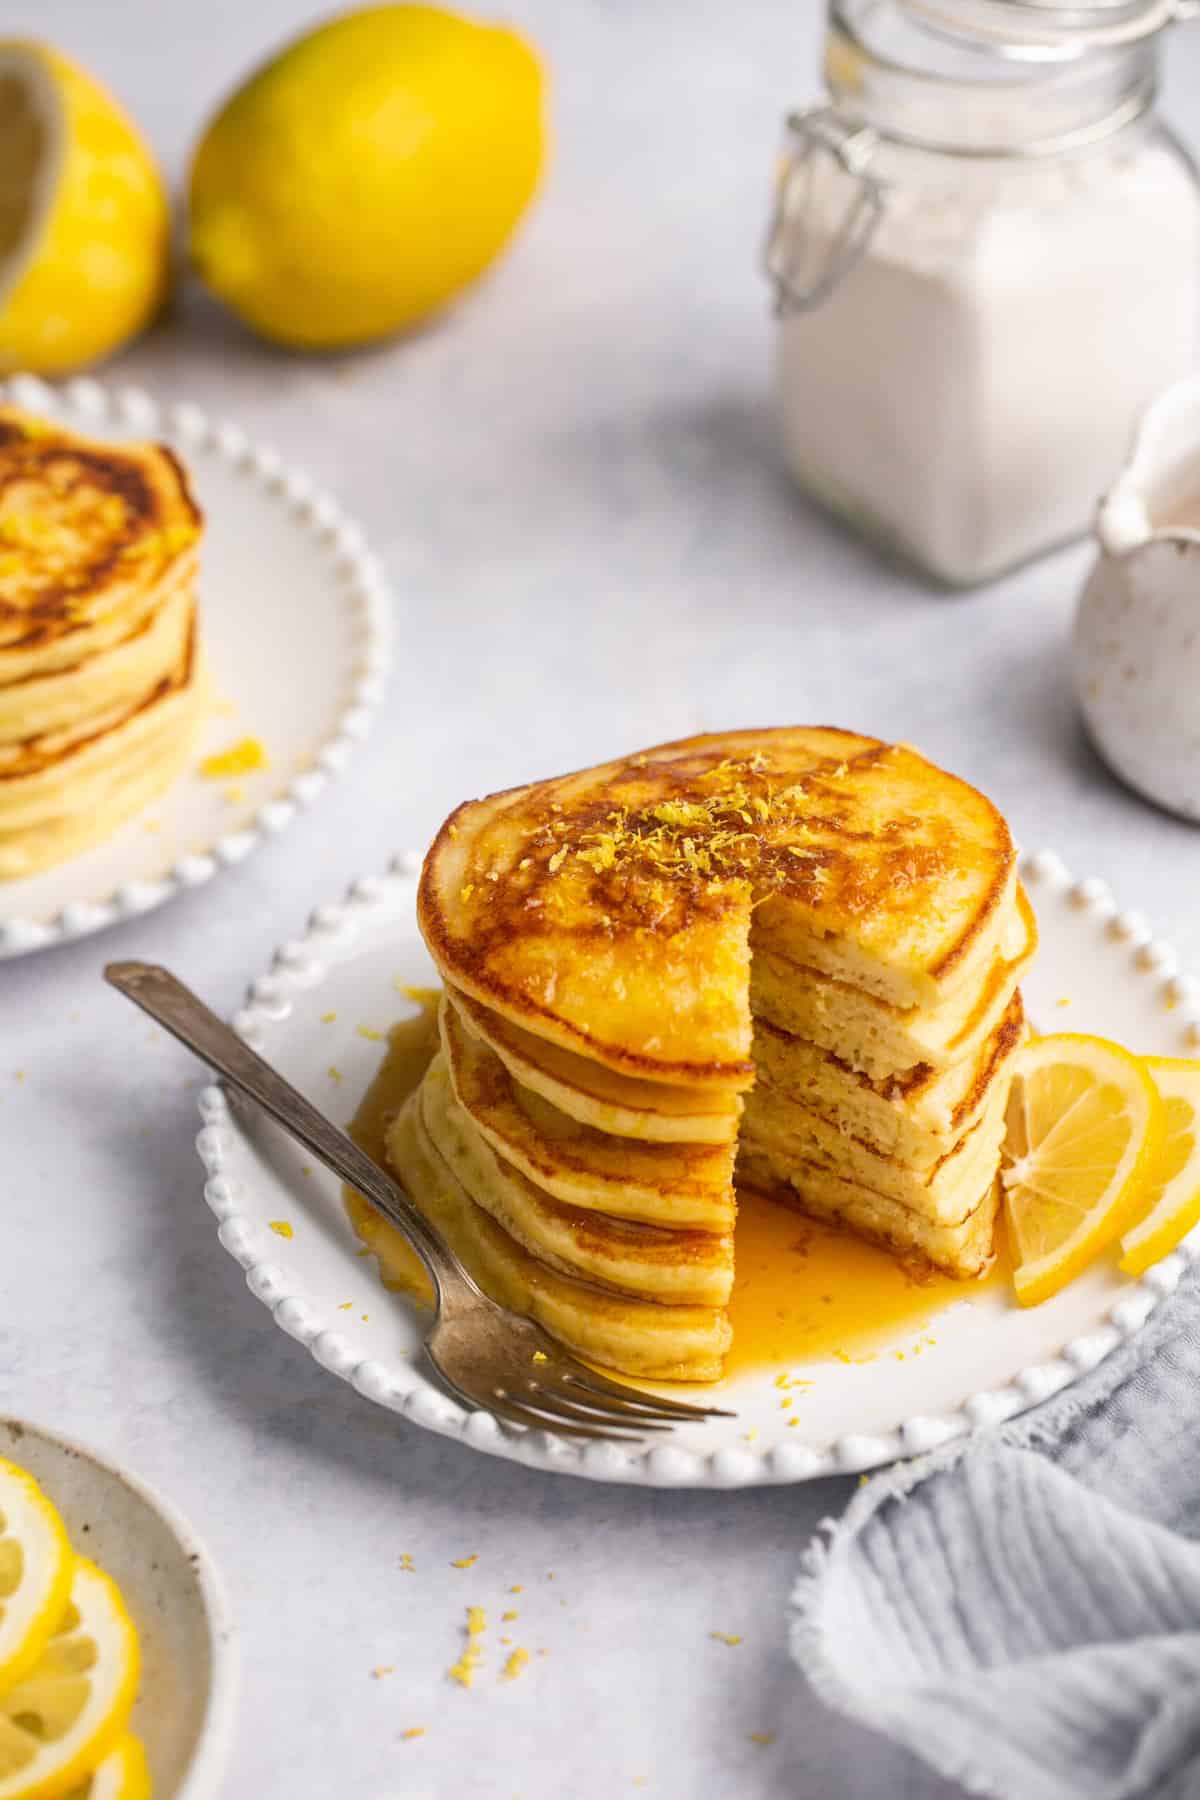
796, 948
100, 683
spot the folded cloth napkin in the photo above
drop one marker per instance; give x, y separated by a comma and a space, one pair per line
1023, 1610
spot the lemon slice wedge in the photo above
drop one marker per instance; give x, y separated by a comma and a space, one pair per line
1171, 1204
36, 1566
70, 1709
84, 225
123, 1775
1086, 1130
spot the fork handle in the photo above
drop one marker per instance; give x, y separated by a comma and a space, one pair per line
186, 1017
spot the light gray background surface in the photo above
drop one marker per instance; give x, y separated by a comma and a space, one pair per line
573, 481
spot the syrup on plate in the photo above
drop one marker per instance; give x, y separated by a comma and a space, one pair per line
803, 1292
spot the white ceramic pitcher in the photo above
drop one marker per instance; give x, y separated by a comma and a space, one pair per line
1137, 630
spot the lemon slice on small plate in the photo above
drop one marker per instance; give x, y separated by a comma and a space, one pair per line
65, 1714
1171, 1203
1086, 1131
36, 1566
123, 1775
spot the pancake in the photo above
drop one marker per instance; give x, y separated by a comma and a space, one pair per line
942, 1192
90, 535
610, 912
693, 1267
101, 690
911, 1117
638, 1337
884, 1040
785, 959
587, 1091
61, 794
964, 1248
659, 1184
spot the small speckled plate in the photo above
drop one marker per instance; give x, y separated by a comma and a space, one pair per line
287, 589
185, 1705
1098, 970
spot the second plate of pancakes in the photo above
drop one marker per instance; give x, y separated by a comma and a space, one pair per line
960, 1357
281, 568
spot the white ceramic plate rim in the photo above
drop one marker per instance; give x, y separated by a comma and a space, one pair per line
202, 1781
406, 1387
89, 405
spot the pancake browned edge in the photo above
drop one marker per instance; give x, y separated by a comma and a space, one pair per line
101, 675
595, 1099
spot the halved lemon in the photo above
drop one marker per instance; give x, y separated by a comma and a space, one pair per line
36, 1566
1086, 1130
123, 1775
84, 225
64, 1716
1171, 1204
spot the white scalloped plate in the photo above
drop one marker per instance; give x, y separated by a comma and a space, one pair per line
988, 1361
287, 588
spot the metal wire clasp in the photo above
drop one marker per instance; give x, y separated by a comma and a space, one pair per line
802, 268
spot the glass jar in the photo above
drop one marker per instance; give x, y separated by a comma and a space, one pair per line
986, 257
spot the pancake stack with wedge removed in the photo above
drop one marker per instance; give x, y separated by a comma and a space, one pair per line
100, 685
799, 949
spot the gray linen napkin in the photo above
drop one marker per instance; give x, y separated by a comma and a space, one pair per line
1023, 1610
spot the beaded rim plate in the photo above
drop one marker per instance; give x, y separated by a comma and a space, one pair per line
280, 561
318, 1016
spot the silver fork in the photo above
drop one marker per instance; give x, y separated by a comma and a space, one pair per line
485, 1355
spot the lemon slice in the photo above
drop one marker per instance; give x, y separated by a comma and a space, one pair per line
123, 1775
84, 226
36, 1565
1086, 1129
1171, 1204
64, 1716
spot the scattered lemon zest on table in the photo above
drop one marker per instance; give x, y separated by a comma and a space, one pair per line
726, 1637
328, 1018
510, 1614
764, 1738
367, 1031
793, 1421
383, 1669
414, 1731
345, 1306
406, 1563
463, 1671
516, 1590
239, 759
515, 1663
465, 1562
281, 1228
335, 1074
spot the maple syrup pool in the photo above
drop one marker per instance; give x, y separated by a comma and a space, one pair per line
803, 1292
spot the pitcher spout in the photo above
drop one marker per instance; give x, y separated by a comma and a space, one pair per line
1157, 495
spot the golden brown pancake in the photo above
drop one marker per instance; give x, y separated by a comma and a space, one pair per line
101, 689
803, 945
611, 911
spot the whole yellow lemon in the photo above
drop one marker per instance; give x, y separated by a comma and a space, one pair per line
84, 226
366, 174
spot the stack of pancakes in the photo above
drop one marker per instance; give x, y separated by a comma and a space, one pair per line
798, 949
100, 688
